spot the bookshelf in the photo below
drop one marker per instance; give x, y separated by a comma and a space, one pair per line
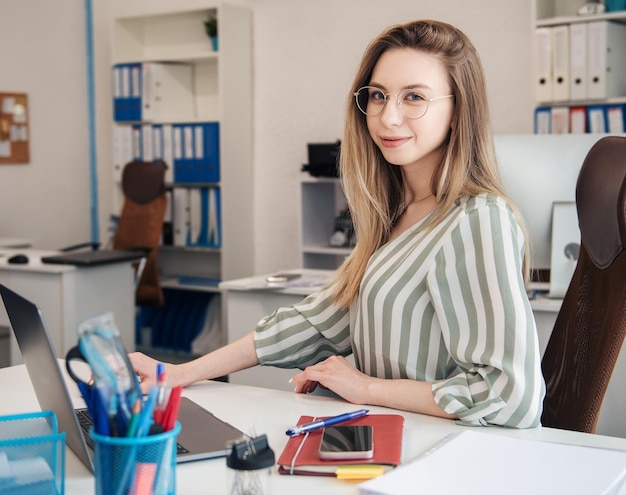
172, 34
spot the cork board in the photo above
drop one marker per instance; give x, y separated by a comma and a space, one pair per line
14, 129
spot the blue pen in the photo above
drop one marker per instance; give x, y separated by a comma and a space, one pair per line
323, 423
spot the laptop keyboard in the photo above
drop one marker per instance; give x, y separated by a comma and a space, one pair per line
85, 422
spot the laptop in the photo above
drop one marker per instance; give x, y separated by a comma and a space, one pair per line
203, 436
92, 258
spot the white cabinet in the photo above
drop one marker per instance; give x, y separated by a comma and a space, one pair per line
321, 201
161, 32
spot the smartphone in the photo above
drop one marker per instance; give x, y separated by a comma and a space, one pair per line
282, 277
347, 442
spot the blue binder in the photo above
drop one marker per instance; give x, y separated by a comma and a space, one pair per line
207, 152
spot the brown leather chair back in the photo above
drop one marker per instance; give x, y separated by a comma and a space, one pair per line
141, 223
591, 325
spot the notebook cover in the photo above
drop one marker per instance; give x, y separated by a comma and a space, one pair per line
387, 447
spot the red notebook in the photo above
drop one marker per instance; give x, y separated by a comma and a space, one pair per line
387, 447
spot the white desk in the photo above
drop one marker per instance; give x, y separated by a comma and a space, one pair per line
67, 295
13, 242
271, 412
245, 301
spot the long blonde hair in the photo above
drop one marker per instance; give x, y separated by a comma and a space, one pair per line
374, 188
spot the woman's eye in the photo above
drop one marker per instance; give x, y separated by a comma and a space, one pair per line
413, 97
377, 95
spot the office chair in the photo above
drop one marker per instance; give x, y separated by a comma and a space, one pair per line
141, 222
590, 327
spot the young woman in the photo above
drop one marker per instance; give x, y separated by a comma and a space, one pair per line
431, 301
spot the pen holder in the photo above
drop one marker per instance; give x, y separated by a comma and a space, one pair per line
32, 454
141, 466
250, 463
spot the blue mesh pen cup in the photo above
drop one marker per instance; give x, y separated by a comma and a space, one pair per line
142, 465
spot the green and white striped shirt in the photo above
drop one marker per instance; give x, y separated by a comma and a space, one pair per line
446, 305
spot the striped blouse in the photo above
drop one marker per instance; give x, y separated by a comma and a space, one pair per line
445, 305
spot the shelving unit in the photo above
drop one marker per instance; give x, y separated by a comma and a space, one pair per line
549, 15
161, 31
321, 201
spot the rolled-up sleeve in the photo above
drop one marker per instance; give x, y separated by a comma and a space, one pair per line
487, 324
304, 334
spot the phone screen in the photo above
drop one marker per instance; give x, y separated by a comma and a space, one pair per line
347, 442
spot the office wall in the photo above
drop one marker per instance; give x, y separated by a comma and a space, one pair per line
42, 53
306, 54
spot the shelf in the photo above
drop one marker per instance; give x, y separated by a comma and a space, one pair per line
616, 100
167, 36
574, 19
185, 283
335, 251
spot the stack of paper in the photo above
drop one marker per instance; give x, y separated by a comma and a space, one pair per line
484, 463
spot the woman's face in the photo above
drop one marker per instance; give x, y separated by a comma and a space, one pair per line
411, 143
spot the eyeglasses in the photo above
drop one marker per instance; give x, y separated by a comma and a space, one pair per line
371, 101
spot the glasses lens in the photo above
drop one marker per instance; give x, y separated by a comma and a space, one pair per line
370, 100
412, 104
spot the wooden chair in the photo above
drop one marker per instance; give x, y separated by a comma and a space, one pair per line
590, 327
141, 223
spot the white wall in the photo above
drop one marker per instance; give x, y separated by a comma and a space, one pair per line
43, 54
305, 55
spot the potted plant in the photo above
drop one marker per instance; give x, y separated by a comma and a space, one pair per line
211, 29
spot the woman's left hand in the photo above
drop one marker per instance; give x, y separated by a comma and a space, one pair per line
336, 374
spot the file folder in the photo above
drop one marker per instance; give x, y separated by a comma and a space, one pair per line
157, 142
204, 217
559, 120
122, 149
606, 65
560, 63
578, 60
178, 161
180, 216
207, 152
121, 92
596, 119
578, 120
134, 113
615, 122
137, 143
543, 120
168, 153
147, 143
543, 64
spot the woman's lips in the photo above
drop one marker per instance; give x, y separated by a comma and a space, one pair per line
393, 142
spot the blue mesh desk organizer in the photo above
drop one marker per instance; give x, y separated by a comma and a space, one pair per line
32, 455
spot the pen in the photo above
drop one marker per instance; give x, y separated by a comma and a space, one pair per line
159, 409
323, 423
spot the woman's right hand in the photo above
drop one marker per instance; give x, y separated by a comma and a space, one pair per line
146, 368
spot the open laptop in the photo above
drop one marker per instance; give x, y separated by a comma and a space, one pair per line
203, 436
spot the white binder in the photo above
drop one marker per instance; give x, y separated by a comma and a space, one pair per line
147, 143
167, 92
180, 220
578, 61
168, 152
543, 64
560, 120
560, 63
122, 150
606, 65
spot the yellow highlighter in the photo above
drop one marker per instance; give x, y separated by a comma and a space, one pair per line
359, 472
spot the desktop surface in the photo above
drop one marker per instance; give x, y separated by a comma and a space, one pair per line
260, 410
